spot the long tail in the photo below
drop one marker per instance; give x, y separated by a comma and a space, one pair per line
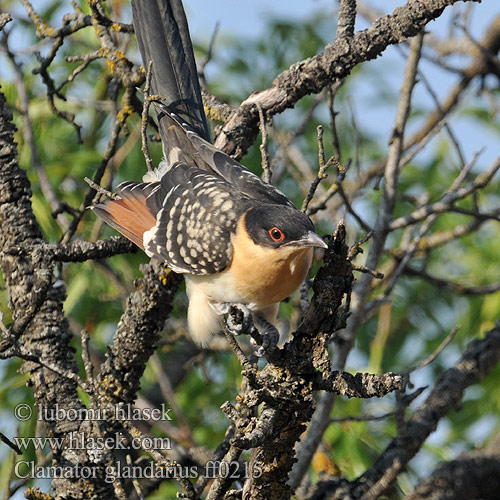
163, 37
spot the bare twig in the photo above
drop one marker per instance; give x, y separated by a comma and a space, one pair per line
210, 50
144, 118
323, 167
135, 482
362, 269
100, 189
351, 210
10, 443
245, 363
455, 287
362, 418
110, 151
449, 199
87, 363
28, 134
346, 19
332, 92
266, 166
86, 60
429, 359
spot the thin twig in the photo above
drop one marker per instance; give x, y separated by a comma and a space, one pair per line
4, 19
323, 167
10, 443
429, 359
266, 166
100, 189
456, 287
87, 363
332, 92
144, 118
86, 60
208, 57
110, 151
362, 269
364, 225
356, 249
29, 136
362, 418
135, 482
245, 363
448, 199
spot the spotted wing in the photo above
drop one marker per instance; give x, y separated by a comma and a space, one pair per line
236, 174
186, 145
193, 229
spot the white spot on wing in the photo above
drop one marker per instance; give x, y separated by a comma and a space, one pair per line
227, 205
147, 238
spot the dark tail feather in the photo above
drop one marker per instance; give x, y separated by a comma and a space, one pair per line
163, 37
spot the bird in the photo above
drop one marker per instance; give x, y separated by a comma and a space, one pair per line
235, 238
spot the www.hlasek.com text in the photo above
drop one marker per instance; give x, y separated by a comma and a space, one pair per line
82, 441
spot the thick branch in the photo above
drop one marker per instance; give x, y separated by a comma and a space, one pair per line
479, 359
314, 74
77, 251
361, 385
47, 333
466, 478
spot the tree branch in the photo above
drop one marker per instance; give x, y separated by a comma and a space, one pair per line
312, 75
480, 358
47, 334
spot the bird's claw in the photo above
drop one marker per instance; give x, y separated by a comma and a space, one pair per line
241, 320
270, 337
239, 317
236, 327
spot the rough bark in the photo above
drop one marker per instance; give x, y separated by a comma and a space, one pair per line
36, 298
312, 75
479, 359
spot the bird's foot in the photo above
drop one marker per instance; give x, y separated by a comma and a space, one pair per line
270, 337
241, 320
239, 317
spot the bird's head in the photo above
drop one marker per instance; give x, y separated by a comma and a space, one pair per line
281, 226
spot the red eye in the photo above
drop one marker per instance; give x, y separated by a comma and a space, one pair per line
276, 234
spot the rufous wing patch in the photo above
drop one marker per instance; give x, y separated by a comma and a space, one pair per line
130, 216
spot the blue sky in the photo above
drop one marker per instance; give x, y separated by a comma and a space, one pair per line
248, 19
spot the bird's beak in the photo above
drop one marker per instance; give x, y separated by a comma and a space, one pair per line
311, 239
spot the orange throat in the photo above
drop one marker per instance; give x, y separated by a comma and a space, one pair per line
266, 275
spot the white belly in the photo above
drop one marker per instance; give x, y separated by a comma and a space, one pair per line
218, 287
